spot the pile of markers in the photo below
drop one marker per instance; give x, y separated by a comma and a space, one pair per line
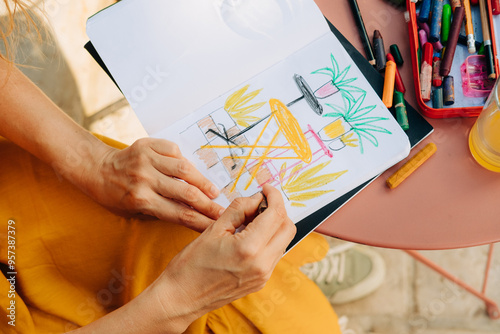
394, 88
439, 25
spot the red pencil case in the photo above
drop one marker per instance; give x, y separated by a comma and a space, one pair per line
459, 109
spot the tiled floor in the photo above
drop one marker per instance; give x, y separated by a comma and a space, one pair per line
413, 299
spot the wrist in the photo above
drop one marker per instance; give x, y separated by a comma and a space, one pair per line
81, 160
140, 315
174, 310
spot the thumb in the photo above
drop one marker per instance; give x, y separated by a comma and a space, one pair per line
240, 212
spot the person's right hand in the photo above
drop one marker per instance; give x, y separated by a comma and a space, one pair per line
221, 266
151, 177
215, 269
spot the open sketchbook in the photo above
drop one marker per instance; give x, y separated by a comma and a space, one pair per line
253, 92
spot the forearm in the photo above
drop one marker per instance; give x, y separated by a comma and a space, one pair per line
144, 314
146, 177
32, 121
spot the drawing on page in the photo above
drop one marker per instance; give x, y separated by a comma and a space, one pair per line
253, 142
351, 124
351, 118
301, 185
236, 106
250, 149
286, 142
339, 83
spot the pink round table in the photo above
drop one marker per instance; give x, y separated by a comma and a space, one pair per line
450, 201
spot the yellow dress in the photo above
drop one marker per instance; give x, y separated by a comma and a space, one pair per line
74, 262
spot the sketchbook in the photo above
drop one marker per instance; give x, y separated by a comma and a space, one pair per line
253, 92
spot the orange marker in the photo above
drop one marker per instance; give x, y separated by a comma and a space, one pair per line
469, 28
390, 79
409, 167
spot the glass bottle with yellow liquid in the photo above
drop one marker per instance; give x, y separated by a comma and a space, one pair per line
484, 137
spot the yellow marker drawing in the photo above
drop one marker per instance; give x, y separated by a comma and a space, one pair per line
287, 125
290, 127
261, 161
411, 165
242, 170
300, 185
236, 106
334, 129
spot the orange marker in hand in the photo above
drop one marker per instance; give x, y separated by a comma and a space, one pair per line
390, 79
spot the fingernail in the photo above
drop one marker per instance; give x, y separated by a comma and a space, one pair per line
214, 191
221, 212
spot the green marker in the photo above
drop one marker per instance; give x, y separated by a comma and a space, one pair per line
481, 50
399, 105
419, 58
398, 58
445, 23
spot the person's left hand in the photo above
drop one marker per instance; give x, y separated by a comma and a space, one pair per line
148, 178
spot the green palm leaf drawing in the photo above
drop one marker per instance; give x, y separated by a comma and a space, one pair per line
357, 116
338, 78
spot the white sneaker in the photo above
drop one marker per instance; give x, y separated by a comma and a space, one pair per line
348, 272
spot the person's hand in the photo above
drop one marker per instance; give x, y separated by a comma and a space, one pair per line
215, 269
143, 178
147, 178
220, 266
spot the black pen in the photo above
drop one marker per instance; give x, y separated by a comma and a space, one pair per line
362, 32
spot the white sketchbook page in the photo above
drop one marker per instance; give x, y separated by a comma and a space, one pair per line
170, 57
384, 142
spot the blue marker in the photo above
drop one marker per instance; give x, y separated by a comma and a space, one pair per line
425, 11
437, 17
